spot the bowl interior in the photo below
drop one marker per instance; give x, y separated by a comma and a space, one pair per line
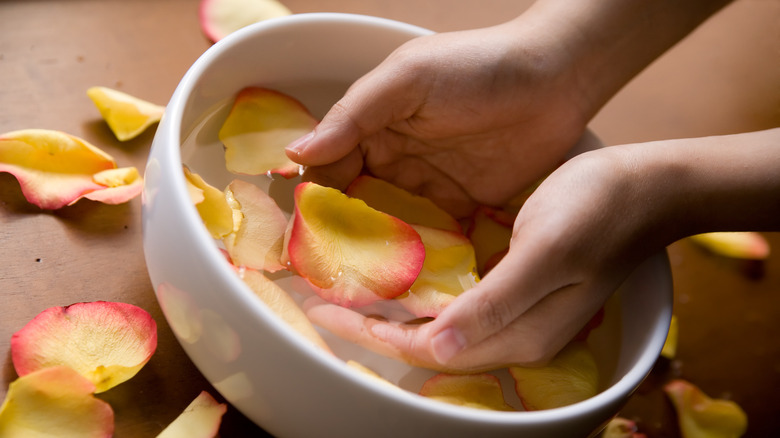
314, 58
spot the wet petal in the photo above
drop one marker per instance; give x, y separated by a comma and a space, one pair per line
53, 168
480, 391
126, 115
260, 125
213, 207
259, 226
201, 419
54, 401
106, 342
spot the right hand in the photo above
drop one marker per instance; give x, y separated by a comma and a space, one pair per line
464, 118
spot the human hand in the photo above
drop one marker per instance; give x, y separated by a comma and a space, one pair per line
581, 233
463, 118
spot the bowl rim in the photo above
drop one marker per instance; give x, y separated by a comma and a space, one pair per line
171, 145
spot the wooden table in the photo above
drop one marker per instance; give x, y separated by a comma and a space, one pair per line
724, 78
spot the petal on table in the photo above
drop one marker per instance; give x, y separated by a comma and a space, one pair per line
744, 245
201, 419
106, 342
701, 416
54, 401
119, 186
126, 115
53, 168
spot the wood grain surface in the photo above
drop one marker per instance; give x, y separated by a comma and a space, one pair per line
724, 78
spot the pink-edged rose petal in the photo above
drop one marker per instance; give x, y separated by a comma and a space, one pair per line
106, 342
201, 419
55, 401
260, 125
258, 239
53, 168
351, 254
218, 18
119, 186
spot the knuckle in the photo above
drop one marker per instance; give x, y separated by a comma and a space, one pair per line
492, 316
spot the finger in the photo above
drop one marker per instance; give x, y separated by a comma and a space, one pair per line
394, 340
537, 335
338, 174
512, 287
374, 102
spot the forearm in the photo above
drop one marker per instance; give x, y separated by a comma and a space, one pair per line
722, 183
608, 42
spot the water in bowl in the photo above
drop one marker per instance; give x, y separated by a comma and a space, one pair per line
203, 153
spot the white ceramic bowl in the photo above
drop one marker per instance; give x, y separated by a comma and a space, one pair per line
276, 378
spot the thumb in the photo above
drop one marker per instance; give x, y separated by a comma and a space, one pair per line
374, 102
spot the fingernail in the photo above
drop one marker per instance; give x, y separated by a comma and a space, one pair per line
299, 145
446, 344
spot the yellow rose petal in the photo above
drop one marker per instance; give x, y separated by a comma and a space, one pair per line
212, 205
126, 115
701, 416
669, 349
201, 419
53, 168
480, 391
54, 401
744, 245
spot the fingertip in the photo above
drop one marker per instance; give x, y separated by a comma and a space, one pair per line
446, 344
295, 149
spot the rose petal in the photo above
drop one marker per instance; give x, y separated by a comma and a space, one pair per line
201, 419
282, 304
213, 207
572, 376
449, 269
54, 401
119, 186
261, 123
259, 226
701, 416
126, 115
744, 245
53, 168
480, 391
395, 201
218, 18
490, 231
105, 342
620, 427
669, 349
